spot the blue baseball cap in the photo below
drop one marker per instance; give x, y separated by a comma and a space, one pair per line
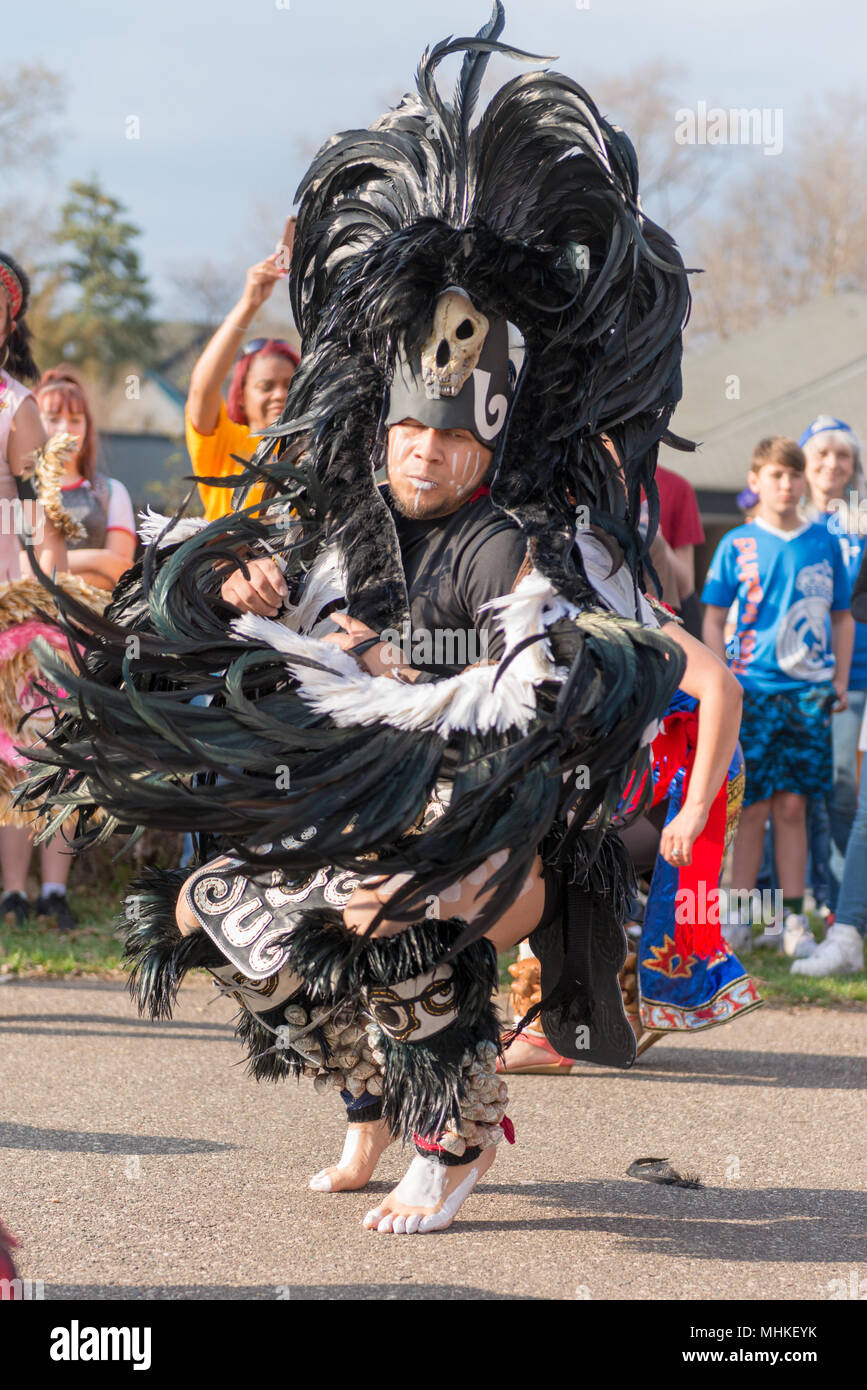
825, 424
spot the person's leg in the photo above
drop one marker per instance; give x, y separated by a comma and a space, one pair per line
842, 803
56, 861
749, 844
440, 1179
367, 1138
852, 903
16, 847
842, 951
789, 811
818, 864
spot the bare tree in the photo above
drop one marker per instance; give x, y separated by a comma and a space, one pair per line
675, 179
790, 231
30, 96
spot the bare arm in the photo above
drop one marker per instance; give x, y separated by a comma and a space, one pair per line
684, 557
842, 642
713, 632
209, 373
720, 697
104, 567
25, 436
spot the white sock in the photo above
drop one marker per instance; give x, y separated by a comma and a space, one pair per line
48, 888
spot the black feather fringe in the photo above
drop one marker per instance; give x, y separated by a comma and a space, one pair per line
159, 953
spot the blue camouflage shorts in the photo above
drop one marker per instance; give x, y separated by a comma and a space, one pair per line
786, 738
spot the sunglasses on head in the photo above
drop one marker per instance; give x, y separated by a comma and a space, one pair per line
256, 345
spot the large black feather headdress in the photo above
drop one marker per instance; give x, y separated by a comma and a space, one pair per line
533, 212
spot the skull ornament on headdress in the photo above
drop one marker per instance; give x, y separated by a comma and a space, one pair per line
454, 346
461, 378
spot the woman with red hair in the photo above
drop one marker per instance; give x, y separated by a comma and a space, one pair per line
100, 505
218, 429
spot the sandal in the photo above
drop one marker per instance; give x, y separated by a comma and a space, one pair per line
555, 1066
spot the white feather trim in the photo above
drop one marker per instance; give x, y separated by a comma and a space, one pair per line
325, 583
152, 524
350, 696
466, 701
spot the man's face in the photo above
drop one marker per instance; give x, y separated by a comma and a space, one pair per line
431, 472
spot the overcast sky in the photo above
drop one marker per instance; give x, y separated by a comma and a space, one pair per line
230, 93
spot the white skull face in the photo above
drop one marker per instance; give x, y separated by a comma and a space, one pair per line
455, 343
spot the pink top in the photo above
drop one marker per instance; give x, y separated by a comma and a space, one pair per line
12, 393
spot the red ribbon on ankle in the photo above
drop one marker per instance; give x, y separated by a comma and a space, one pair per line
429, 1145
508, 1129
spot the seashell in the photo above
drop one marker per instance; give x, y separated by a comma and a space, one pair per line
349, 1060
294, 1013
364, 1070
487, 1050
453, 1144
374, 1085
321, 1083
355, 1087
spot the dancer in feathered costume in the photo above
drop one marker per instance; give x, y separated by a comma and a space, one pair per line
378, 807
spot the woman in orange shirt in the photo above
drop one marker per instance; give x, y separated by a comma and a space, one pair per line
217, 429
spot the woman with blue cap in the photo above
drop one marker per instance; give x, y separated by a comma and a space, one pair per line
836, 490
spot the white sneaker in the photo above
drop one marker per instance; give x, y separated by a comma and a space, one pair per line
737, 936
798, 939
841, 953
770, 939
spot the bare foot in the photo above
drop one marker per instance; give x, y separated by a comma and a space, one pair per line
363, 1147
523, 1055
428, 1196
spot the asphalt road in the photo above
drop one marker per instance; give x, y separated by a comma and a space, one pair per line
136, 1161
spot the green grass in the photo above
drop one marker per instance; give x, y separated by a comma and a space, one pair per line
39, 949
776, 984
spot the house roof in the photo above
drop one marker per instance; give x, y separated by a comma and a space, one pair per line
773, 379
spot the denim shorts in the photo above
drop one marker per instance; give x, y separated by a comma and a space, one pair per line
786, 738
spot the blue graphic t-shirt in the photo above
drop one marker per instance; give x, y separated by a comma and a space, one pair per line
786, 583
852, 547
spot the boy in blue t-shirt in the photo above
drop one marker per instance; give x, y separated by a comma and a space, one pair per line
787, 577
